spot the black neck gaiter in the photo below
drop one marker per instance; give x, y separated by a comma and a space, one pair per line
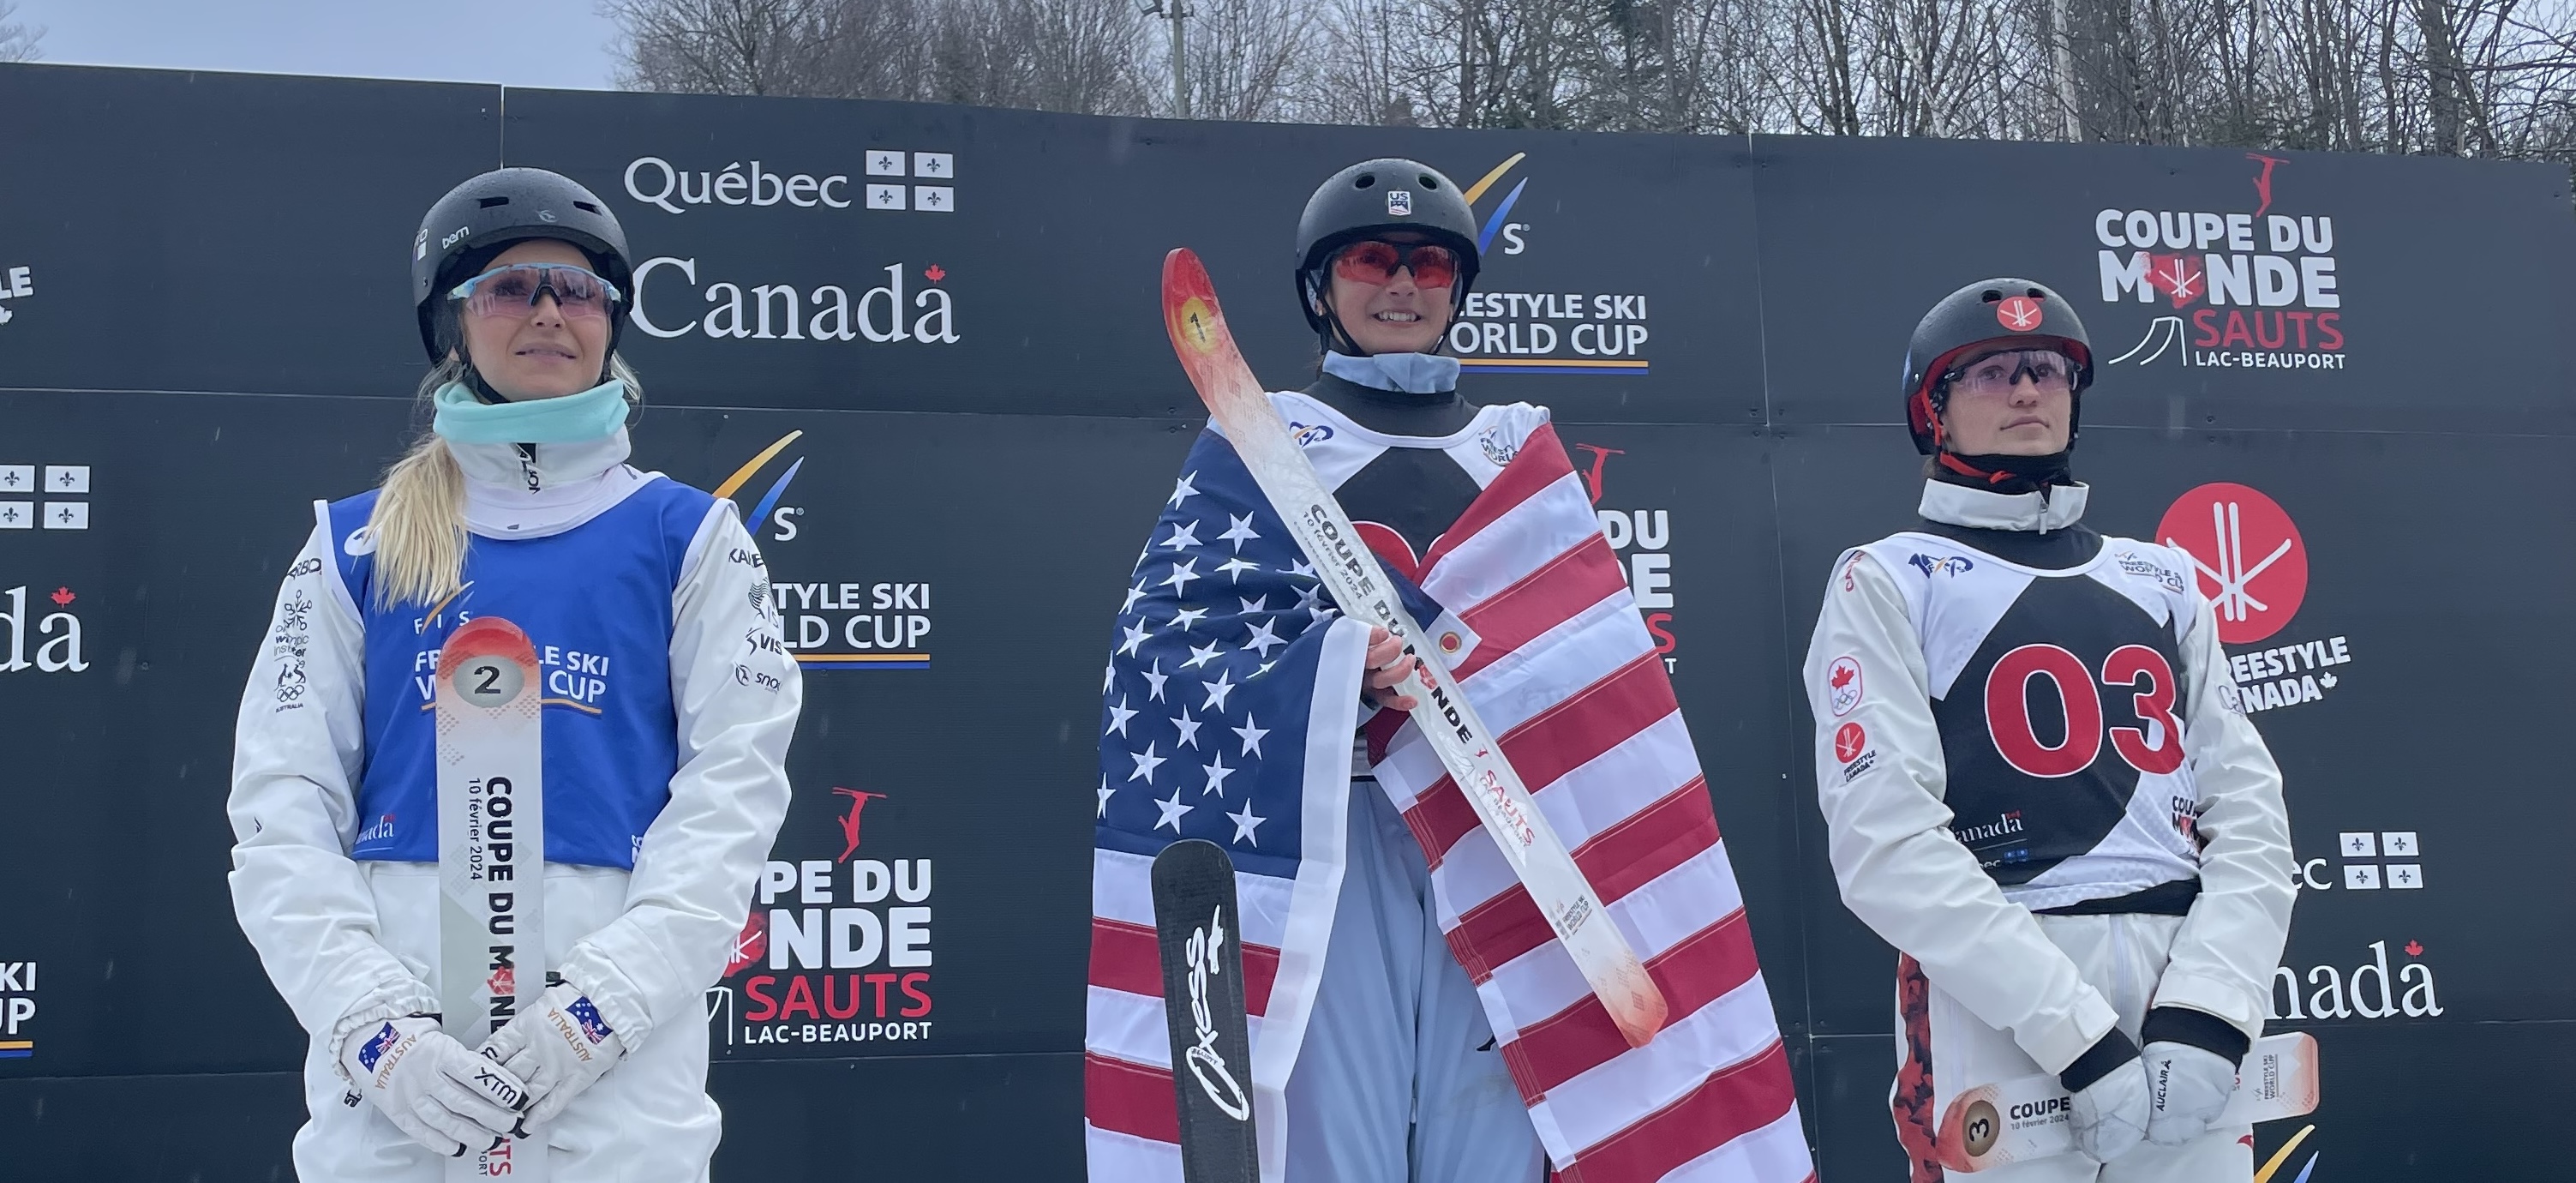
2005, 474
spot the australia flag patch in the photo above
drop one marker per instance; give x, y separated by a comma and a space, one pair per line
374, 1049
587, 1014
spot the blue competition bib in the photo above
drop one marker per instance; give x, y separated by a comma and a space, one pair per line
596, 602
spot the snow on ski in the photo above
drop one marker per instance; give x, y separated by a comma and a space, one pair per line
2032, 1117
491, 853
1471, 754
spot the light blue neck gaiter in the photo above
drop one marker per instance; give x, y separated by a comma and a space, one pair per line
1410, 373
571, 419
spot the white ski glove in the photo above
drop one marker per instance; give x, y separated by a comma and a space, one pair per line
433, 1089
2112, 1108
560, 1047
2191, 1087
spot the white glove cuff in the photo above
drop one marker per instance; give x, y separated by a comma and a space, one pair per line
393, 1000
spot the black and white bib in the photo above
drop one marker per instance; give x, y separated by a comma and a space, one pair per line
2060, 701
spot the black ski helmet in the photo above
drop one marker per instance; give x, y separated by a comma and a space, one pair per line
1373, 197
1987, 310
504, 206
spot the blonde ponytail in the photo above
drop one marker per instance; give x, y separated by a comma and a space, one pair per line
419, 521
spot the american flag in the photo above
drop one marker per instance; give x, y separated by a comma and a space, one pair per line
1230, 702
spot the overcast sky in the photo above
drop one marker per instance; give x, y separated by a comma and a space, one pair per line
519, 42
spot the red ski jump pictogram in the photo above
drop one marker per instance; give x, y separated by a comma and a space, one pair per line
2252, 563
1600, 458
2263, 180
850, 820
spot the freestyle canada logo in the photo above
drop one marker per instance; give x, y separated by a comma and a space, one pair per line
2252, 564
1533, 332
835, 951
49, 496
2242, 289
827, 623
17, 1009
892, 179
16, 283
1641, 538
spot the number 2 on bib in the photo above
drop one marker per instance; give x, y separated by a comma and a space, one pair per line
2137, 668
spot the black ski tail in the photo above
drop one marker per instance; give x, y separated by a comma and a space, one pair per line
1198, 931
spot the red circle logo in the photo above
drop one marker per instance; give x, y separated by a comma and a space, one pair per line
2252, 563
2021, 314
1849, 739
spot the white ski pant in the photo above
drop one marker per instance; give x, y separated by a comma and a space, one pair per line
649, 1120
1398, 1080
1942, 1050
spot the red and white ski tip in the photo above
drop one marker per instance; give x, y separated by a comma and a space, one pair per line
1197, 327
486, 636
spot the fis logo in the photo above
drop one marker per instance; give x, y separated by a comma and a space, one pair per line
586, 1013
1952, 565
1547, 327
1497, 222
831, 622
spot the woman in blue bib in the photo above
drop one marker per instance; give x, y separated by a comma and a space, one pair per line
668, 702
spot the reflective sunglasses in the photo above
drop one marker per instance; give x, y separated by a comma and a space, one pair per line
1374, 263
1996, 373
512, 290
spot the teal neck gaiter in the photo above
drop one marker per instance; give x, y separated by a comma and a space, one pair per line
571, 419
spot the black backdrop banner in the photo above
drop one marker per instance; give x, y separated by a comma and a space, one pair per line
920, 347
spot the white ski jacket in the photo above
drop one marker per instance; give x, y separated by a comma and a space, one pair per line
350, 942
1957, 892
